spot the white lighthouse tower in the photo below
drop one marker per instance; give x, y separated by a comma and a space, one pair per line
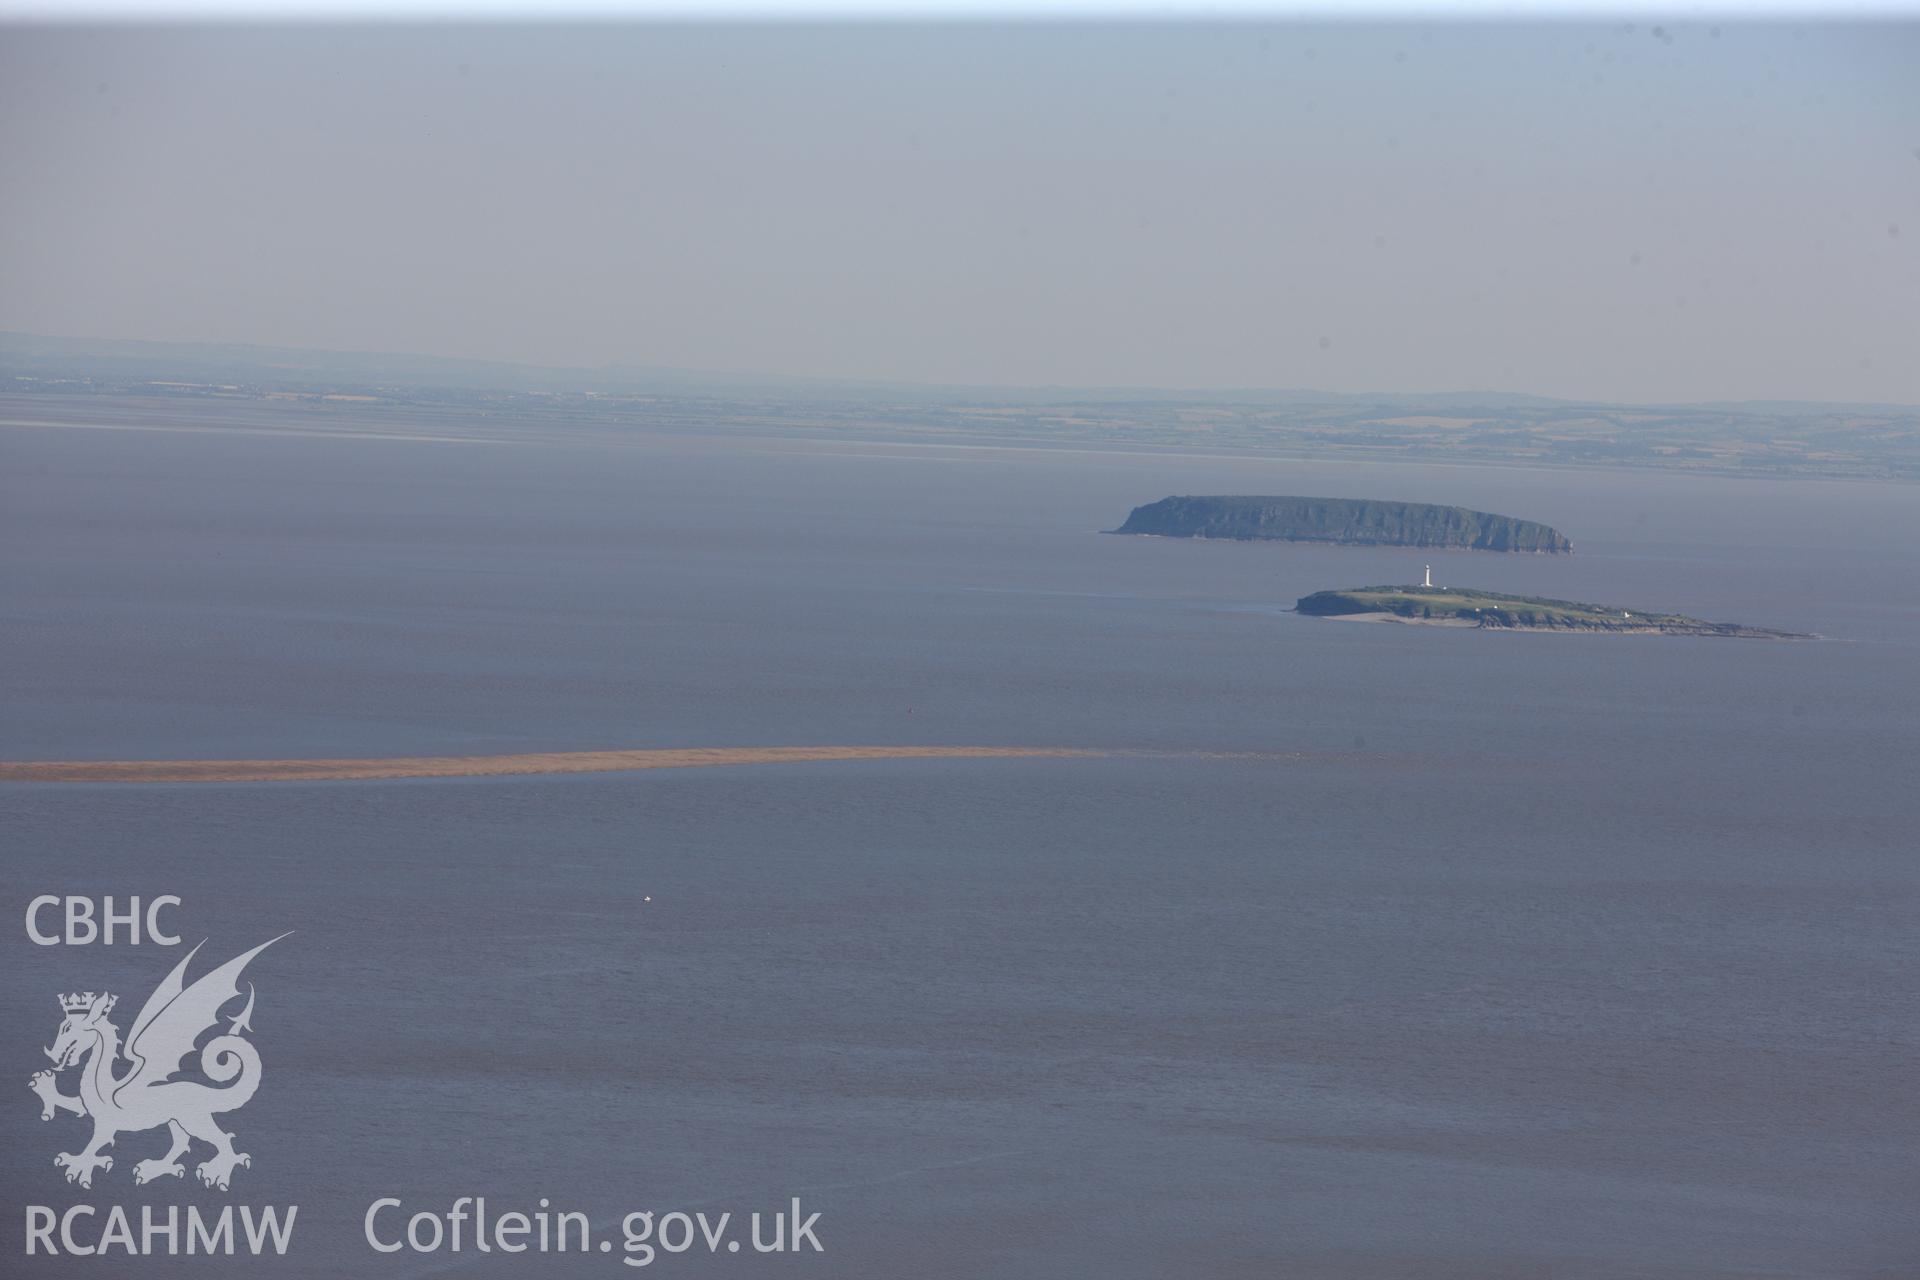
1429, 581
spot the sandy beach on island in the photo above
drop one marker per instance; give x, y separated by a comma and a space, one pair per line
484, 766
1394, 617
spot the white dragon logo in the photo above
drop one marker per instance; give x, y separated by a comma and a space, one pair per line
146, 1096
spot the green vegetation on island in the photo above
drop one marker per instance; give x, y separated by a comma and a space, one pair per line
1464, 606
1350, 521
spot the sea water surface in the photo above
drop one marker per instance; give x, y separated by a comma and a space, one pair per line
1369, 951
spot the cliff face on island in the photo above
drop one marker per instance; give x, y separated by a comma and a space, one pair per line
1355, 521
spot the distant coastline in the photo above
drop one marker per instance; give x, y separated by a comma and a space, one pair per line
1744, 438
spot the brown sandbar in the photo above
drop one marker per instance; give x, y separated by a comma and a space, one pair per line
484, 766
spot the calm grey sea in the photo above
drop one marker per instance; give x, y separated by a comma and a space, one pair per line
1390, 952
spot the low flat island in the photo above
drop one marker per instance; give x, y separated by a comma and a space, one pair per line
1490, 610
1361, 522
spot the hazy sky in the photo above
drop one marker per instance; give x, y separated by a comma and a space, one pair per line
1594, 210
